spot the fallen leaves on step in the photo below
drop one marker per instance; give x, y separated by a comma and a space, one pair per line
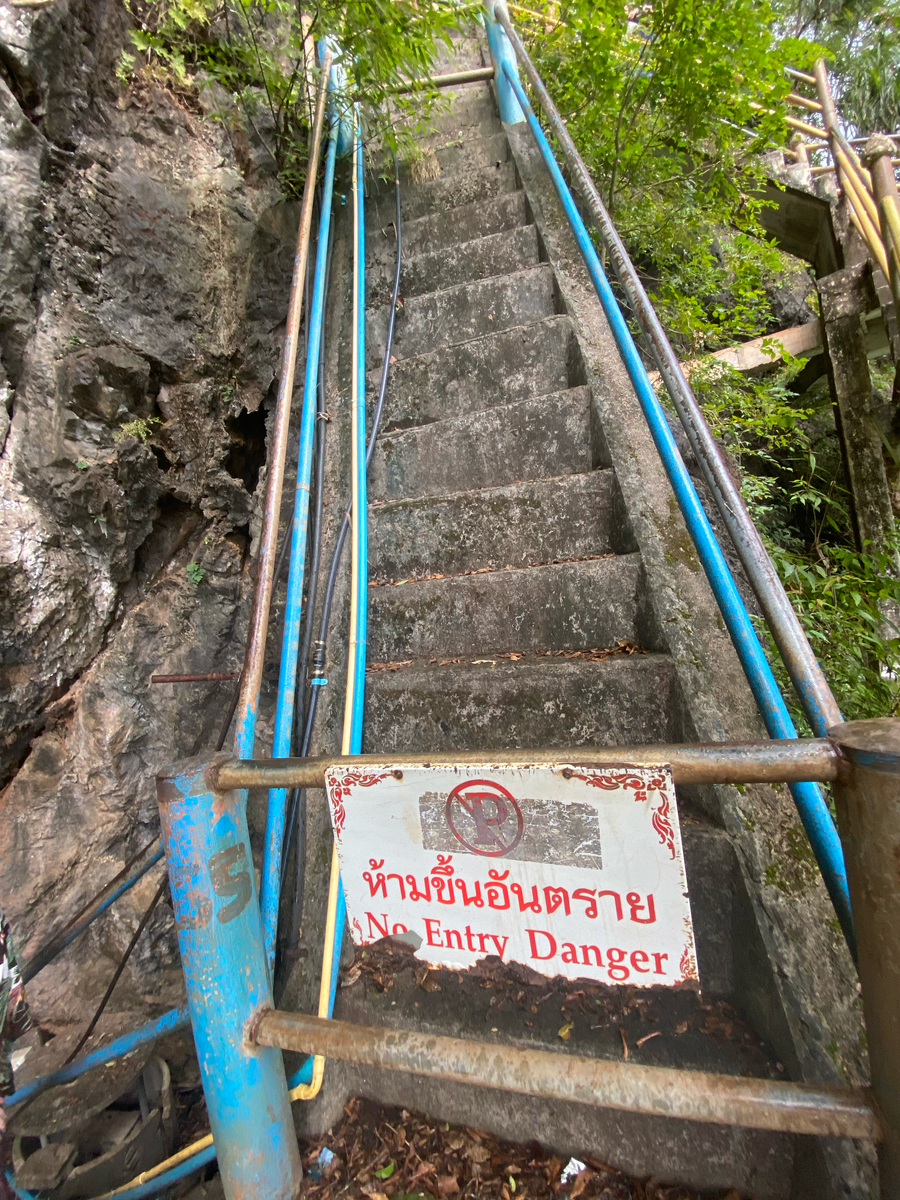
389, 1153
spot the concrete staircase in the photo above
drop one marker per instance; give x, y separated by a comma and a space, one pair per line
513, 604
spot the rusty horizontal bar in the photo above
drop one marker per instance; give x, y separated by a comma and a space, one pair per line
802, 102
801, 75
795, 760
207, 677
476, 75
605, 1083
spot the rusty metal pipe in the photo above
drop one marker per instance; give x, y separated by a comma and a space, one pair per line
802, 102
251, 676
803, 667
792, 73
476, 75
788, 761
209, 677
660, 1091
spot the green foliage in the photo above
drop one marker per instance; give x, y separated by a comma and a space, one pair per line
847, 601
140, 428
862, 39
254, 52
195, 573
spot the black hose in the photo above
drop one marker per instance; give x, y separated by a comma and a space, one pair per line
319, 658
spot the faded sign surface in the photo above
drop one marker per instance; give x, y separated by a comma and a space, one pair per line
573, 871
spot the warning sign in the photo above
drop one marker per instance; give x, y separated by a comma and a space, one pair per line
574, 871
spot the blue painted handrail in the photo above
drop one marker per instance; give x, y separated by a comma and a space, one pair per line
810, 803
290, 644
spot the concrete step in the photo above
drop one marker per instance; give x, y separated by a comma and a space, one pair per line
462, 313
569, 606
499, 254
536, 702
444, 133
451, 190
438, 230
459, 154
465, 153
465, 106
523, 524
532, 439
500, 368
463, 54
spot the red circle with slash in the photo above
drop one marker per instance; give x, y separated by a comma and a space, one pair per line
491, 810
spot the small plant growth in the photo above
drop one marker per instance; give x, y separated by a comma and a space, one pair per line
140, 428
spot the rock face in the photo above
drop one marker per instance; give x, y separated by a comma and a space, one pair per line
144, 270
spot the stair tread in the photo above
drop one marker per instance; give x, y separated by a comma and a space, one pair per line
538, 521
621, 701
448, 191
439, 230
463, 313
468, 262
498, 368
529, 439
569, 606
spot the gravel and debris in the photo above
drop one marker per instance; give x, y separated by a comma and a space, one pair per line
391, 1154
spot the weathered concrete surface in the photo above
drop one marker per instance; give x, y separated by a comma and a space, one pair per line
568, 516
461, 313
498, 368
511, 250
443, 193
537, 701
567, 607
426, 234
144, 269
547, 435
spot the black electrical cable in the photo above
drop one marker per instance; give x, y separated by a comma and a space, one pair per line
320, 646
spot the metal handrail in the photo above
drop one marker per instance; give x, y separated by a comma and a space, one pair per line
803, 667
811, 806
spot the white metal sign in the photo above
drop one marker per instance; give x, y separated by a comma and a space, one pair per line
572, 870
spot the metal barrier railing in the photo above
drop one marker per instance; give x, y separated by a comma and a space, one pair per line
202, 807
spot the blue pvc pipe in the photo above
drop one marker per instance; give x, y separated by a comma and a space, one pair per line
360, 534
360, 518
171, 1022
290, 645
504, 61
810, 803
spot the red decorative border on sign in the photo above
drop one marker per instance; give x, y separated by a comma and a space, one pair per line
339, 788
614, 781
663, 825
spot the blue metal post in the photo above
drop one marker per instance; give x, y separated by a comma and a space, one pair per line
504, 60
810, 803
220, 935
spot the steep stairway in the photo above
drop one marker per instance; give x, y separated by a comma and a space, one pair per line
509, 607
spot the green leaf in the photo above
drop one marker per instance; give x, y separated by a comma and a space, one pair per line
385, 1172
